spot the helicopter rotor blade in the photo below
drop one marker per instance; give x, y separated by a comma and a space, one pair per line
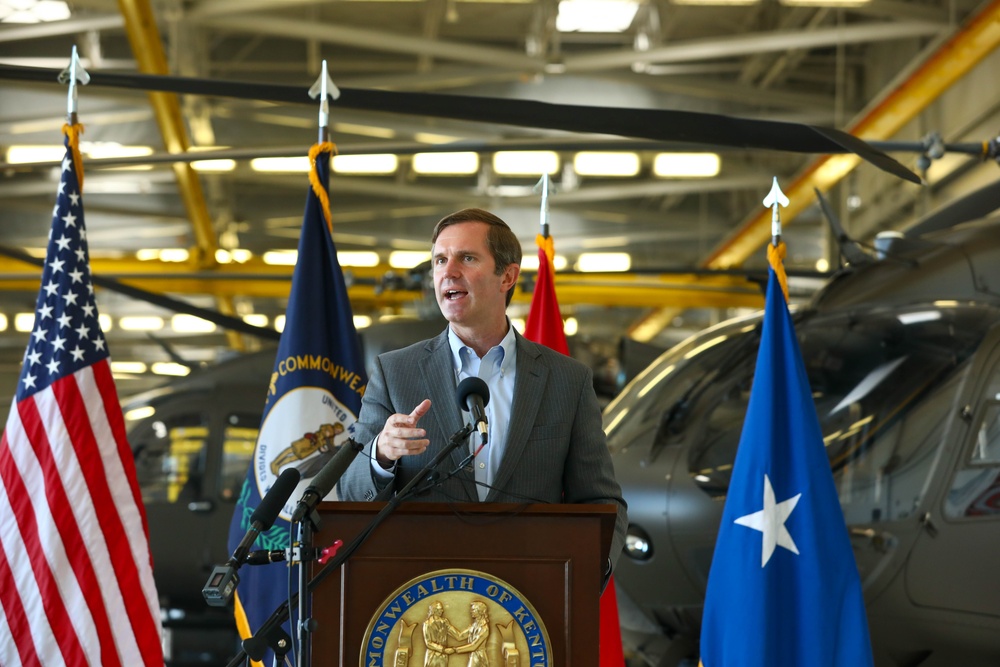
848, 246
657, 124
973, 206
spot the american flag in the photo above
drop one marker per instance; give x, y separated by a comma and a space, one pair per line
76, 578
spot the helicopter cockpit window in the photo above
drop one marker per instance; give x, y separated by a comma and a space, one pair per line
868, 371
660, 398
975, 490
170, 457
240, 437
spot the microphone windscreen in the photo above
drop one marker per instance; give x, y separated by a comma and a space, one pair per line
274, 500
331, 473
469, 386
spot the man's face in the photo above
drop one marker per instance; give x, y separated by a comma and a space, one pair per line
465, 282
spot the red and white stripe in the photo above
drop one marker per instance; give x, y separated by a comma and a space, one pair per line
76, 578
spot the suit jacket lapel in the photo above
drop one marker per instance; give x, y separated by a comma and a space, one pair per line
438, 372
529, 390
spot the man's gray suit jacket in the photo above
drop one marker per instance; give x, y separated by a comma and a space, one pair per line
555, 451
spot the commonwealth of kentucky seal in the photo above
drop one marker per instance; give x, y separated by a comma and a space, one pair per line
286, 440
456, 618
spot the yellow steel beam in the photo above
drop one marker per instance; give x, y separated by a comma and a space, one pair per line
963, 51
364, 297
256, 279
140, 25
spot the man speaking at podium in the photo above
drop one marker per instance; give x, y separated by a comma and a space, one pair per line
543, 437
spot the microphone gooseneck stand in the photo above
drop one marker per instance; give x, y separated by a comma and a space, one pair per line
281, 614
307, 527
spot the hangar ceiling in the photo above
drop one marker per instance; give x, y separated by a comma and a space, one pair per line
862, 66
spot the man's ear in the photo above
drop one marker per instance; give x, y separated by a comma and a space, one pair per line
510, 276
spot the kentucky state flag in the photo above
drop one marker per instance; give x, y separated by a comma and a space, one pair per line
313, 399
784, 589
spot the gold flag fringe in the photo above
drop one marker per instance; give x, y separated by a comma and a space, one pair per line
321, 193
776, 257
73, 132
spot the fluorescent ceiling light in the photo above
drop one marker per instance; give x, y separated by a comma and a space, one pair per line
3, 322
174, 255
24, 154
147, 254
599, 262
571, 326
256, 319
112, 149
281, 257
140, 323
518, 323
104, 321
20, 154
447, 164
595, 15
131, 367
281, 165
279, 323
357, 258
183, 323
686, 165
216, 166
407, 259
530, 262
170, 368
525, 163
376, 163
610, 163
24, 322
238, 255
362, 321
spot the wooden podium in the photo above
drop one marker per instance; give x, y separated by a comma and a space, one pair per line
552, 555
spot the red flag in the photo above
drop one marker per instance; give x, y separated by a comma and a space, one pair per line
544, 323
76, 576
545, 326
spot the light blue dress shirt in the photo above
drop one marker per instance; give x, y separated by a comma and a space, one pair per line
497, 369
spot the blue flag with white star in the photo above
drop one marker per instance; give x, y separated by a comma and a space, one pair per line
784, 589
313, 399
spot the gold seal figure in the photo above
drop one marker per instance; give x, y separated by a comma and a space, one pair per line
321, 441
437, 629
476, 635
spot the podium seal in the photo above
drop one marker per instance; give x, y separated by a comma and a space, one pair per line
454, 618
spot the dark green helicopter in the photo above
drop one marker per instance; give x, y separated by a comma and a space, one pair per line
902, 351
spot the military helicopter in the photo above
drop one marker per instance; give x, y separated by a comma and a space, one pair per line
233, 422
902, 351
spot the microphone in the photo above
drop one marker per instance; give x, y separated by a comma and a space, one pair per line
327, 477
473, 396
223, 580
